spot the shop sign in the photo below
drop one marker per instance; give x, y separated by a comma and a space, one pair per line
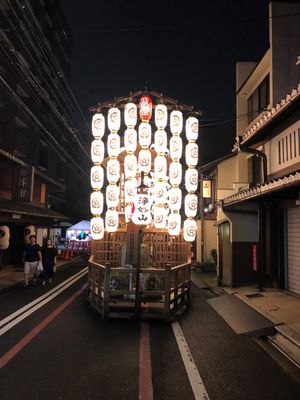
23, 183
206, 188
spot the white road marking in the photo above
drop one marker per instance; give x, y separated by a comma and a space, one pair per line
30, 308
195, 379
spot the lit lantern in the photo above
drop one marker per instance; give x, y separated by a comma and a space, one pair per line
159, 217
175, 199
28, 231
128, 213
145, 134
191, 154
98, 125
189, 230
112, 196
113, 170
160, 193
130, 190
160, 141
4, 237
114, 119
175, 173
161, 116
142, 209
97, 177
97, 151
96, 203
190, 205
160, 167
111, 220
176, 122
113, 145
130, 114
192, 128
191, 179
145, 105
174, 224
130, 166
130, 140
145, 160
97, 228
175, 147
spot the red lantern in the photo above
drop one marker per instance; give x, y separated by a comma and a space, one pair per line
145, 106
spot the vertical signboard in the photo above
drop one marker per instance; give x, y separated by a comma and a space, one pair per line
23, 183
206, 188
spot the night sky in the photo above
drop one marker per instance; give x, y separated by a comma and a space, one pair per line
185, 49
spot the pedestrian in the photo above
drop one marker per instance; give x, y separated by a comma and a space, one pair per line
31, 257
49, 254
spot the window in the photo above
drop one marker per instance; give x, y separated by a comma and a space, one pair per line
259, 99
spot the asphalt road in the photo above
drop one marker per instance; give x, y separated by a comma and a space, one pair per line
76, 355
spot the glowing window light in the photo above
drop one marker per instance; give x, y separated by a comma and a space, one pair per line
113, 170
191, 179
159, 217
161, 116
130, 114
113, 145
145, 134
191, 154
142, 209
189, 230
176, 122
174, 224
98, 125
130, 190
114, 119
160, 167
97, 228
111, 220
112, 196
175, 173
160, 141
190, 205
175, 147
130, 166
130, 140
96, 203
145, 160
97, 177
192, 128
160, 193
175, 199
97, 151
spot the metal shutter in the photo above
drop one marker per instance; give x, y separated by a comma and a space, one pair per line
293, 229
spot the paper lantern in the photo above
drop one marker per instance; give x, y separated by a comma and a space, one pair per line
28, 231
130, 166
113, 145
145, 105
175, 147
142, 209
175, 173
130, 140
160, 193
161, 116
190, 205
130, 114
145, 160
98, 125
189, 230
191, 154
145, 134
174, 224
113, 170
112, 196
191, 179
96, 203
97, 177
128, 213
97, 228
111, 220
97, 151
114, 119
160, 167
159, 217
130, 190
192, 128
4, 237
160, 141
175, 199
176, 122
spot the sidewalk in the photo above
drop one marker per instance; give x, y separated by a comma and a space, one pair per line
278, 306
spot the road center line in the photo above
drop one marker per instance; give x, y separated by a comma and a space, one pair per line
145, 371
26, 339
195, 379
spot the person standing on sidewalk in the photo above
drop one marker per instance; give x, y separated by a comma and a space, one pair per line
31, 257
49, 254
